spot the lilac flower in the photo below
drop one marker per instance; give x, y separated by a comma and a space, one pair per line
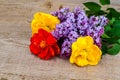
70, 17
96, 28
61, 14
72, 36
66, 49
62, 30
75, 24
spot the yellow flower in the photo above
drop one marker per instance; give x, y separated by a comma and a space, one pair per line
44, 21
85, 52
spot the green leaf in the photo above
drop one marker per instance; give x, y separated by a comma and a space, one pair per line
101, 12
104, 48
93, 6
112, 20
105, 36
112, 40
113, 13
107, 28
104, 2
115, 32
119, 41
114, 50
91, 13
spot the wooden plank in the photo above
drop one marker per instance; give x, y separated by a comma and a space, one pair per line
16, 61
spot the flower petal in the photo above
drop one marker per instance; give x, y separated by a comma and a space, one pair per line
84, 52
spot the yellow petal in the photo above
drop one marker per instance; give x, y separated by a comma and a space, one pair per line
94, 55
89, 40
44, 21
81, 42
81, 61
84, 52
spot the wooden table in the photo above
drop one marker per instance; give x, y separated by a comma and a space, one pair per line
16, 61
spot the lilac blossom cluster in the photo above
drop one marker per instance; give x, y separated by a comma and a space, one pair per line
75, 24
96, 28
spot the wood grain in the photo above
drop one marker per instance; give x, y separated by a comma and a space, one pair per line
16, 61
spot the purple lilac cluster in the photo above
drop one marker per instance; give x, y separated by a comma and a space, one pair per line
61, 14
96, 28
74, 24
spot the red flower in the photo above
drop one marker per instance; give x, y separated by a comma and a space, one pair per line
44, 45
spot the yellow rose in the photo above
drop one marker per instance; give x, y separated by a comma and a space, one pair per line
85, 52
44, 21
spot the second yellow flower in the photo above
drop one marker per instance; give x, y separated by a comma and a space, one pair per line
85, 52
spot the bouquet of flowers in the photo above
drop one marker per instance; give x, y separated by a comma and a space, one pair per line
74, 35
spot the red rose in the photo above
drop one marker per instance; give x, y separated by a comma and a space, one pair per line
44, 45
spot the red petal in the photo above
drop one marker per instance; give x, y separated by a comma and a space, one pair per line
43, 54
43, 32
34, 49
56, 49
51, 40
51, 51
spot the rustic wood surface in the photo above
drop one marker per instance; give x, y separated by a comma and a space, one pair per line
16, 61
